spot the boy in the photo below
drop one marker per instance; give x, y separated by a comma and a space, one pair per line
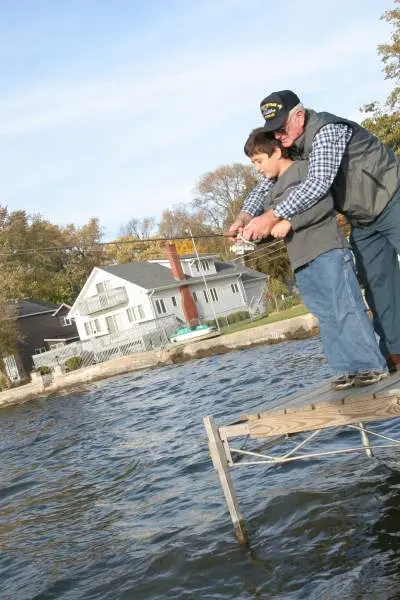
323, 267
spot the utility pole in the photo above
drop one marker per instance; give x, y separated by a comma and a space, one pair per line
203, 276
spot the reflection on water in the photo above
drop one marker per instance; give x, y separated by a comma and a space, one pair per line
111, 494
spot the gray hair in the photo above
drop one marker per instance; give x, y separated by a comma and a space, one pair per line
296, 109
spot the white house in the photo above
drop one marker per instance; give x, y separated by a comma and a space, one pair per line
117, 298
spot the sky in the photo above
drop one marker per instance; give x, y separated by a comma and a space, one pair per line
116, 109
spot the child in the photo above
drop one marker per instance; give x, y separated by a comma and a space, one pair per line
323, 267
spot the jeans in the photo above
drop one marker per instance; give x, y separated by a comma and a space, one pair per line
376, 248
330, 290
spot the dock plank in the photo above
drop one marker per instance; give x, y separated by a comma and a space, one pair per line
324, 392
331, 413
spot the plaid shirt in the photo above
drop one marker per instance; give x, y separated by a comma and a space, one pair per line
326, 154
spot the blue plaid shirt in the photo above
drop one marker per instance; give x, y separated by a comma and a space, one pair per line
326, 154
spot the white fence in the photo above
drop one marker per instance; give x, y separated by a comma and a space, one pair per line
146, 336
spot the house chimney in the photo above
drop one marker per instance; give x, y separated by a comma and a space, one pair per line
188, 305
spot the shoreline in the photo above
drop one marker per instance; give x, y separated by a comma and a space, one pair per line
301, 327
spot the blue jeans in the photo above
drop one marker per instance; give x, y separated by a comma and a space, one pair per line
376, 247
330, 290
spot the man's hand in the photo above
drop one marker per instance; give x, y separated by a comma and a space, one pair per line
260, 227
239, 223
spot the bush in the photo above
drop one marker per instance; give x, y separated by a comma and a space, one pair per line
288, 302
73, 363
44, 370
241, 315
4, 382
236, 317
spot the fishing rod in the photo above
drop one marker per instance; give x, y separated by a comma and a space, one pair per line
98, 246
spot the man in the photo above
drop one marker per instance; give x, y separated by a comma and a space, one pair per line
364, 177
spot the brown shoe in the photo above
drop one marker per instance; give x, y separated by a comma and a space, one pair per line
393, 362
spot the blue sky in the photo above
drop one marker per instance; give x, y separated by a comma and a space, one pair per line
115, 109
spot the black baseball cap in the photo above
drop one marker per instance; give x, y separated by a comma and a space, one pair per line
275, 108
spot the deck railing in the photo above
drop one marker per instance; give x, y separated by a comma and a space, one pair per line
103, 301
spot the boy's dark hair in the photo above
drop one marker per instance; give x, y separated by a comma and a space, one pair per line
261, 141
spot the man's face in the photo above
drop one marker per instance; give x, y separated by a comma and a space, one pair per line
267, 165
291, 130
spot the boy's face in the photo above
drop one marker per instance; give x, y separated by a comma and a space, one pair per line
268, 165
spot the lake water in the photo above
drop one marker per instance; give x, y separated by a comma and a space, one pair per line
111, 494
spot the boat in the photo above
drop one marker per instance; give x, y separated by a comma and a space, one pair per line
192, 334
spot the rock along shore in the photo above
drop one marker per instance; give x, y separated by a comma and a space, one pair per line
79, 380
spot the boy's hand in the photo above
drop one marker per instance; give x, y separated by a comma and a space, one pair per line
281, 229
238, 225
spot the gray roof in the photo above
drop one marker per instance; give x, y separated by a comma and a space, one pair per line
25, 308
149, 275
201, 255
145, 274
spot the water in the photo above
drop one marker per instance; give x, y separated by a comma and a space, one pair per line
111, 495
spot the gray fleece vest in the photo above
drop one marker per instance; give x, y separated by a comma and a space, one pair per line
314, 231
369, 174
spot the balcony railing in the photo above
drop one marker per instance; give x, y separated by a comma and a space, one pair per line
107, 299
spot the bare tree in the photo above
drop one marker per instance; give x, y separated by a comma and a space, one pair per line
222, 192
142, 229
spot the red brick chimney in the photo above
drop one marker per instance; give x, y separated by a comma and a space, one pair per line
188, 305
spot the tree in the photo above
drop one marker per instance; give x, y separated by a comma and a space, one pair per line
221, 193
42, 261
180, 220
129, 248
9, 333
384, 121
141, 229
272, 259
275, 290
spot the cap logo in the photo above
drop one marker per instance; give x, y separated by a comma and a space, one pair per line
269, 110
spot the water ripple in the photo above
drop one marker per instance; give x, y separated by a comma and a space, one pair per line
110, 494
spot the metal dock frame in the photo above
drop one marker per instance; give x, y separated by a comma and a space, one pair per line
311, 413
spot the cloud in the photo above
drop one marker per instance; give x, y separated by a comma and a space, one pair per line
136, 136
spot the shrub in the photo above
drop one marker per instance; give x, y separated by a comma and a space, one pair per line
44, 370
73, 363
4, 382
240, 315
288, 302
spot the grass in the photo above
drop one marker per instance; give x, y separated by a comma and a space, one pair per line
294, 311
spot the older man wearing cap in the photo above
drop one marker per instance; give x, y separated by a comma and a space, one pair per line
364, 176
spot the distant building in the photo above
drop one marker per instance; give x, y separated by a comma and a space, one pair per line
117, 298
43, 326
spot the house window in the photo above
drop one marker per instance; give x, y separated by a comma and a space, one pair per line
103, 286
65, 321
92, 327
40, 350
214, 295
202, 265
131, 315
235, 288
160, 306
173, 300
135, 313
112, 324
205, 296
194, 296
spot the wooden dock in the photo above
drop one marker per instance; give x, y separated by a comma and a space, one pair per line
304, 415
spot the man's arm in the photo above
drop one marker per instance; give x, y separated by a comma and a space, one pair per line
313, 215
326, 154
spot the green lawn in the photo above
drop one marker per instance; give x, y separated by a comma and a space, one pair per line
294, 311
